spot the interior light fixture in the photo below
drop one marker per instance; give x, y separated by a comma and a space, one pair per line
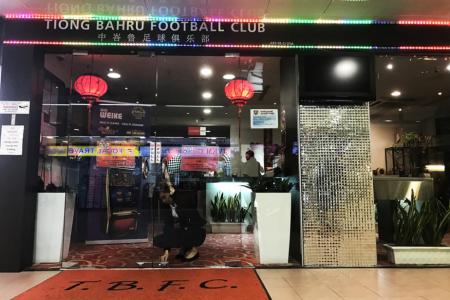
126, 88
345, 69
114, 75
448, 67
207, 111
396, 93
207, 95
440, 93
435, 168
206, 72
228, 76
390, 66
388, 121
400, 109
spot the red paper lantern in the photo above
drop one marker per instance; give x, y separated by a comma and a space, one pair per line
239, 91
90, 87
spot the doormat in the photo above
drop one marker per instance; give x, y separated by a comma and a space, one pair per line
186, 284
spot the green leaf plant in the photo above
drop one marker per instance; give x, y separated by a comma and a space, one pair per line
229, 209
420, 226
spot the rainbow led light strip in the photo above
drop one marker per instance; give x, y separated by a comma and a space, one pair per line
228, 20
236, 46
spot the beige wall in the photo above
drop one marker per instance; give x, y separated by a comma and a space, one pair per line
381, 136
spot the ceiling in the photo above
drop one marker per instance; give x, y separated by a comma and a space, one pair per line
352, 9
423, 82
172, 80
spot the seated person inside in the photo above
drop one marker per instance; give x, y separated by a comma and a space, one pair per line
183, 226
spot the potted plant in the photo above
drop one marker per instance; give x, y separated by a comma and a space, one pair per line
418, 232
272, 219
228, 215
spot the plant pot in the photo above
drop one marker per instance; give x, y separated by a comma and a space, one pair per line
404, 255
272, 227
224, 227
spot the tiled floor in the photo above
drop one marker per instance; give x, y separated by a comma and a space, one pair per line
317, 284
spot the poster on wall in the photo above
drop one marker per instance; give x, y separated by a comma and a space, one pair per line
120, 120
116, 156
264, 118
11, 140
200, 158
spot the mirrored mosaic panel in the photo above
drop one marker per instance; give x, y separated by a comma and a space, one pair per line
338, 221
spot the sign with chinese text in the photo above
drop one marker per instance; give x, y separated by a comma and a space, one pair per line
219, 33
199, 158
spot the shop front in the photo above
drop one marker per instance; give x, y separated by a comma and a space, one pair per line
240, 142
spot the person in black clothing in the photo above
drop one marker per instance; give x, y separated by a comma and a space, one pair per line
183, 225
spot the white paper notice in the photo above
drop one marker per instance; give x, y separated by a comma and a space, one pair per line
15, 107
11, 140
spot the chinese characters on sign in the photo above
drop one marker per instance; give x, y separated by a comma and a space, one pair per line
145, 32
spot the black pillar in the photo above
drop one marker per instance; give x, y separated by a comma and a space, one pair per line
21, 80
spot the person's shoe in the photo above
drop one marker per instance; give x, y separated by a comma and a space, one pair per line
192, 254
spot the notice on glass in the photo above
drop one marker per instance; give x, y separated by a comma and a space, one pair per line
11, 140
15, 107
264, 118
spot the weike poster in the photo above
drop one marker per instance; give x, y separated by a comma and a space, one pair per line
264, 118
11, 142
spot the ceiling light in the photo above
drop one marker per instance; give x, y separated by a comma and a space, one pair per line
345, 69
126, 88
188, 113
228, 76
388, 121
274, 103
440, 93
390, 66
400, 109
111, 69
396, 94
207, 111
448, 67
114, 75
207, 95
206, 72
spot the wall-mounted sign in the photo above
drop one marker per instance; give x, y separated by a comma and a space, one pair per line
11, 140
196, 131
15, 107
89, 151
264, 118
222, 33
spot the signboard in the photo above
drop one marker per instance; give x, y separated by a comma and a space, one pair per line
158, 152
196, 131
264, 118
200, 158
120, 120
11, 140
15, 107
224, 34
93, 151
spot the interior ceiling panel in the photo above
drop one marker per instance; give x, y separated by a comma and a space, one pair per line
341, 9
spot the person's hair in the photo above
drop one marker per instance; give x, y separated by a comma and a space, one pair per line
250, 153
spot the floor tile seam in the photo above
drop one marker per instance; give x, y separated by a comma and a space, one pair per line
293, 288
